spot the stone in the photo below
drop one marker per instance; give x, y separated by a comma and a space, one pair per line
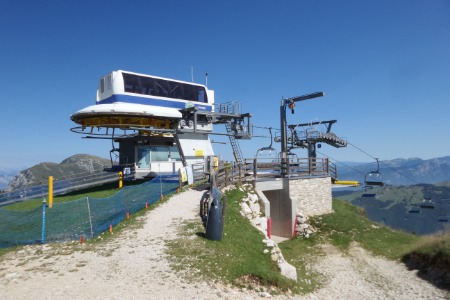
270, 244
253, 198
263, 223
256, 221
301, 220
288, 270
274, 256
245, 209
255, 207
266, 251
304, 226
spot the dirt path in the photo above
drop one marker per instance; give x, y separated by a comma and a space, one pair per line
133, 266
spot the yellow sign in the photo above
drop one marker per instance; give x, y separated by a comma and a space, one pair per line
216, 163
199, 152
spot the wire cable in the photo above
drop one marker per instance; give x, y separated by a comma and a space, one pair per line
341, 163
386, 165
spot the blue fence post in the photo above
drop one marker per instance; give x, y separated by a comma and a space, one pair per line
44, 204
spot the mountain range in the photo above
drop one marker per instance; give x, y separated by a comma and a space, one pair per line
6, 175
76, 165
400, 171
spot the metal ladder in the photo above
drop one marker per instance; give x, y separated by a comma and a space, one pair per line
234, 144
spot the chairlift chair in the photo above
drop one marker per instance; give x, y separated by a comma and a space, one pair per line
427, 203
269, 148
443, 219
414, 210
373, 180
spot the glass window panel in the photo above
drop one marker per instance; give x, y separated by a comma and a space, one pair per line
143, 157
174, 153
160, 153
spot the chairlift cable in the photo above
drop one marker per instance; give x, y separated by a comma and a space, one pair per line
429, 204
397, 171
362, 151
341, 163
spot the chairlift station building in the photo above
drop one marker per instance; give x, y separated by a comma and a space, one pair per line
162, 124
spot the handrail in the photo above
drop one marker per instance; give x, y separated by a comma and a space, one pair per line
252, 170
61, 186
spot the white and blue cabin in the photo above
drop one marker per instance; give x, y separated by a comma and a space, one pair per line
128, 100
153, 92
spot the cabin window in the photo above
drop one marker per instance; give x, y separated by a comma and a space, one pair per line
131, 83
201, 95
108, 82
102, 86
148, 86
163, 88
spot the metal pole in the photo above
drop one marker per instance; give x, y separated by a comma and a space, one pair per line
284, 102
44, 204
50, 191
90, 218
283, 138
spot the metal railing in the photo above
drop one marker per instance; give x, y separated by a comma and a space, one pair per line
60, 186
256, 169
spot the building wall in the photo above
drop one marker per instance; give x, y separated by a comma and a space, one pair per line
312, 196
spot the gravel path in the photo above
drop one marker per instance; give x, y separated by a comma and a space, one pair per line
133, 266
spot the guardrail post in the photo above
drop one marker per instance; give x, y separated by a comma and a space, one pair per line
50, 191
226, 176
240, 174
328, 166
180, 180
310, 166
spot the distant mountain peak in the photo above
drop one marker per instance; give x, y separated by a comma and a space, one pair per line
75, 165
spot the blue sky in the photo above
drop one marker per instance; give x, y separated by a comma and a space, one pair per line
383, 65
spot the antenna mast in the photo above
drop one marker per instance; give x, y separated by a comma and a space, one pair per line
206, 75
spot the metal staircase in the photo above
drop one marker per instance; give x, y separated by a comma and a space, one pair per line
233, 111
234, 144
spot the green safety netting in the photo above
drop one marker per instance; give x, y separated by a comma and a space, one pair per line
87, 217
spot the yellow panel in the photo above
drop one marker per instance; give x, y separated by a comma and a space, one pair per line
199, 152
347, 182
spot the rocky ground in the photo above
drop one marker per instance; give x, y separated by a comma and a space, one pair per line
134, 266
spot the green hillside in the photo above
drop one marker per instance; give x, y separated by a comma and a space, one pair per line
394, 206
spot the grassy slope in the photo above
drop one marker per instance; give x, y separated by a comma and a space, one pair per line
239, 257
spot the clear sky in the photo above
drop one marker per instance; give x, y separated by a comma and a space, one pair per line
383, 65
